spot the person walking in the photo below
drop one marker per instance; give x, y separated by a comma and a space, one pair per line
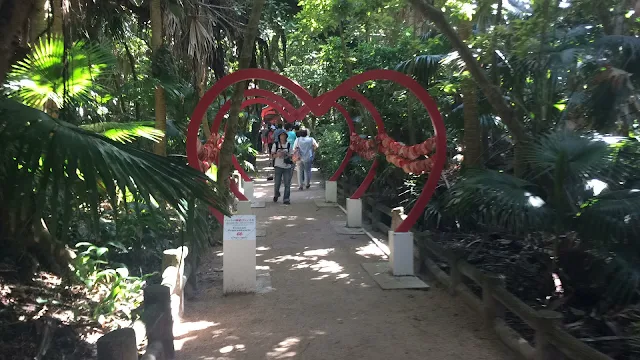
283, 164
305, 146
291, 135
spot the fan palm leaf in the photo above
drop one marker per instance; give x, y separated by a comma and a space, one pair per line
39, 78
579, 157
422, 67
58, 162
126, 132
500, 200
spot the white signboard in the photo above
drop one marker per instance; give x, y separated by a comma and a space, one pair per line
240, 227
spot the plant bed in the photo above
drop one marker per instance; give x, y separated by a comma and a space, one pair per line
524, 262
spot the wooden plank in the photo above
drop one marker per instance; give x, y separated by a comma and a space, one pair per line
573, 347
462, 290
436, 249
471, 272
513, 340
516, 306
382, 227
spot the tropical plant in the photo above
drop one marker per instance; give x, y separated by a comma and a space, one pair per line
577, 183
49, 77
50, 166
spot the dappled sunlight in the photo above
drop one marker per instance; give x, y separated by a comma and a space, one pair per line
281, 217
534, 200
322, 266
284, 349
371, 250
184, 331
232, 348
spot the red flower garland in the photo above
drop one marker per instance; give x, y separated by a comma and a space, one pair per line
209, 152
402, 156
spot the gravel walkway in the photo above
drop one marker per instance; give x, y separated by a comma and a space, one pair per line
323, 305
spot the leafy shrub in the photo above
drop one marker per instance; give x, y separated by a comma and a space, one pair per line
112, 290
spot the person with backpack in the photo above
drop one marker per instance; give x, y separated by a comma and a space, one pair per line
283, 165
304, 149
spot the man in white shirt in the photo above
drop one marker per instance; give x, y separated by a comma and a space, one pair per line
306, 147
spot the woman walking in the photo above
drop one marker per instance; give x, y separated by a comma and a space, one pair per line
305, 146
283, 164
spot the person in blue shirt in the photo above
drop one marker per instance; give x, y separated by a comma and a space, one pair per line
291, 135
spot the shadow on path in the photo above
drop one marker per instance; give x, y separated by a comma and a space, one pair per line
322, 304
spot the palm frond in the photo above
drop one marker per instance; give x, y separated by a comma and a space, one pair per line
422, 67
58, 162
626, 42
500, 200
126, 132
39, 78
580, 158
613, 218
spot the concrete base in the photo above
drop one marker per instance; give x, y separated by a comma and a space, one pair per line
331, 191
258, 204
341, 228
354, 213
401, 256
321, 203
239, 266
381, 275
244, 207
248, 189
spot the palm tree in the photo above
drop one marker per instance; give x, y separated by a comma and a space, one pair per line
578, 183
155, 8
50, 166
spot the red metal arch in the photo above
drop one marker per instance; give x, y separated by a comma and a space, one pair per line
320, 105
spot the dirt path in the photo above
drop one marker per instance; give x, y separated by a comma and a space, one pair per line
323, 305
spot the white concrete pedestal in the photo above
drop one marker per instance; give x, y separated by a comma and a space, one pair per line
247, 186
244, 207
239, 254
401, 253
331, 191
239, 266
354, 213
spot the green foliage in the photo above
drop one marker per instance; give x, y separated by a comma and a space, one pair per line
41, 76
126, 132
56, 163
332, 141
113, 290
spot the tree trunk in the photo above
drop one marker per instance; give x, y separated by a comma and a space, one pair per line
159, 148
201, 83
472, 141
56, 13
493, 93
228, 146
13, 14
37, 21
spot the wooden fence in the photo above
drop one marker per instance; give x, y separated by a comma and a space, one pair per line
162, 303
551, 341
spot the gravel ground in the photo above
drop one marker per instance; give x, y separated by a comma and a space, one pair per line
323, 305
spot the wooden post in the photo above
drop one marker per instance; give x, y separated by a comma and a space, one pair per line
491, 307
375, 216
454, 273
157, 317
546, 319
397, 217
173, 265
118, 345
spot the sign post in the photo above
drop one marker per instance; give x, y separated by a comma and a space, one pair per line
239, 258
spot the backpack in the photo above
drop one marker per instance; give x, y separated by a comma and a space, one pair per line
287, 159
